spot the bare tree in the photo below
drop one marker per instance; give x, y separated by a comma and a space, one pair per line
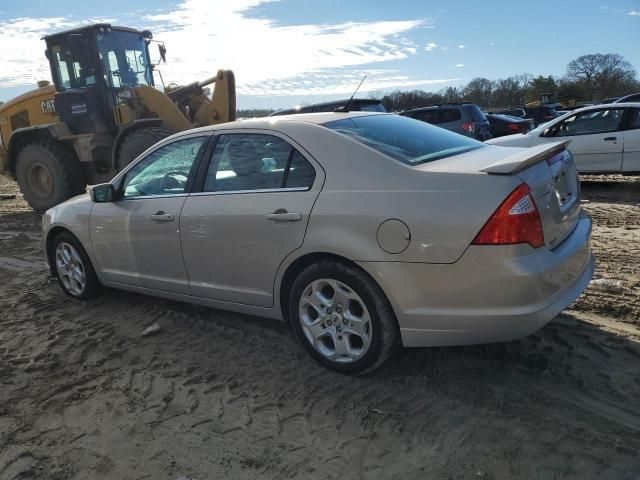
601, 73
479, 91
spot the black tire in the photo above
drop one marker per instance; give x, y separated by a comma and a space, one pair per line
48, 173
385, 335
92, 285
137, 142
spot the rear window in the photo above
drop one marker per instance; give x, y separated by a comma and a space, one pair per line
447, 115
476, 113
405, 139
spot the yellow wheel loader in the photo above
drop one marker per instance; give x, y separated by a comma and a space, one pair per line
100, 113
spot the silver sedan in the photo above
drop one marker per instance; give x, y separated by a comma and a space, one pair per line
364, 231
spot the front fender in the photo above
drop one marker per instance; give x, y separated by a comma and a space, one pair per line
71, 216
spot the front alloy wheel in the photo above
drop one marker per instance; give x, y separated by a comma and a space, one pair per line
70, 269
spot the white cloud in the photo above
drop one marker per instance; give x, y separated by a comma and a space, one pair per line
491, 44
430, 46
459, 65
461, 46
634, 13
262, 52
203, 36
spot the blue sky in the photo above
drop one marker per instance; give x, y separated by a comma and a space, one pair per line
286, 52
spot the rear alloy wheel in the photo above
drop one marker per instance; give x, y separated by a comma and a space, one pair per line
342, 318
335, 320
73, 267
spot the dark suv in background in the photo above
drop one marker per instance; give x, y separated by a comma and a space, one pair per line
463, 118
355, 105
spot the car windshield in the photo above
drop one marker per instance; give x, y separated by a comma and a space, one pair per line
405, 139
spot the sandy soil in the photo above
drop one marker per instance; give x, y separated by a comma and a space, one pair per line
217, 395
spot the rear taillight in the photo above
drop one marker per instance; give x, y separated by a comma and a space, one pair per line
514, 126
516, 220
469, 126
548, 117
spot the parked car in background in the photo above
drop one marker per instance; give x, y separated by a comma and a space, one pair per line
355, 105
365, 231
463, 118
512, 112
604, 138
634, 97
539, 114
507, 125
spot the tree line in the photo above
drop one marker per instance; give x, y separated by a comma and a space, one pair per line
588, 78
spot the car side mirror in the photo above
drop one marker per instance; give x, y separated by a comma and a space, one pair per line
102, 193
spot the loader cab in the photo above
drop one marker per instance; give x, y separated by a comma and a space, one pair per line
94, 69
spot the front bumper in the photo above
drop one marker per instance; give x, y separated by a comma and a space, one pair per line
492, 294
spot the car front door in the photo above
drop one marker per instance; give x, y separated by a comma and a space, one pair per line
631, 134
252, 211
136, 239
596, 140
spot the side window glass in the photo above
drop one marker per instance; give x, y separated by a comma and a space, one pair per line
598, 121
247, 161
165, 171
301, 174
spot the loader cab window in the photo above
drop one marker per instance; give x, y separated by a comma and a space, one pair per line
124, 59
72, 63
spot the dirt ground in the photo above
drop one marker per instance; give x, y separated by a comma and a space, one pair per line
218, 395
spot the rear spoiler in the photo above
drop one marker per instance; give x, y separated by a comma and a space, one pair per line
525, 158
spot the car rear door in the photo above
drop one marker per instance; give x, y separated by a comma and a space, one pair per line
596, 139
254, 201
631, 135
136, 238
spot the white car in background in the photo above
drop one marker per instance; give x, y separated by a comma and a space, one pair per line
604, 138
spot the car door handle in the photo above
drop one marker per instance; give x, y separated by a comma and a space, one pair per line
610, 139
284, 216
162, 217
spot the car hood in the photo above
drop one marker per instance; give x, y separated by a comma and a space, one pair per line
516, 140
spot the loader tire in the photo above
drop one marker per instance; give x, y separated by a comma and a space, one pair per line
48, 173
137, 142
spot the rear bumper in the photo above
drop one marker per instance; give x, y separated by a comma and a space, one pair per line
492, 294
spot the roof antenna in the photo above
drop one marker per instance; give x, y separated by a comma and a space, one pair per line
345, 107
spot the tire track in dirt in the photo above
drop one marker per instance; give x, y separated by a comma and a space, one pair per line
220, 395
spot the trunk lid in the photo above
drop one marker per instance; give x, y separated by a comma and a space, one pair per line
550, 172
548, 169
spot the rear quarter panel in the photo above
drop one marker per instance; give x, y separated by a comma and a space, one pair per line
363, 188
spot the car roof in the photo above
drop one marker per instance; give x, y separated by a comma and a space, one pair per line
270, 122
604, 105
439, 105
336, 103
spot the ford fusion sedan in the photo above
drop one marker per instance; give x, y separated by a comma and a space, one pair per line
365, 231
604, 138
